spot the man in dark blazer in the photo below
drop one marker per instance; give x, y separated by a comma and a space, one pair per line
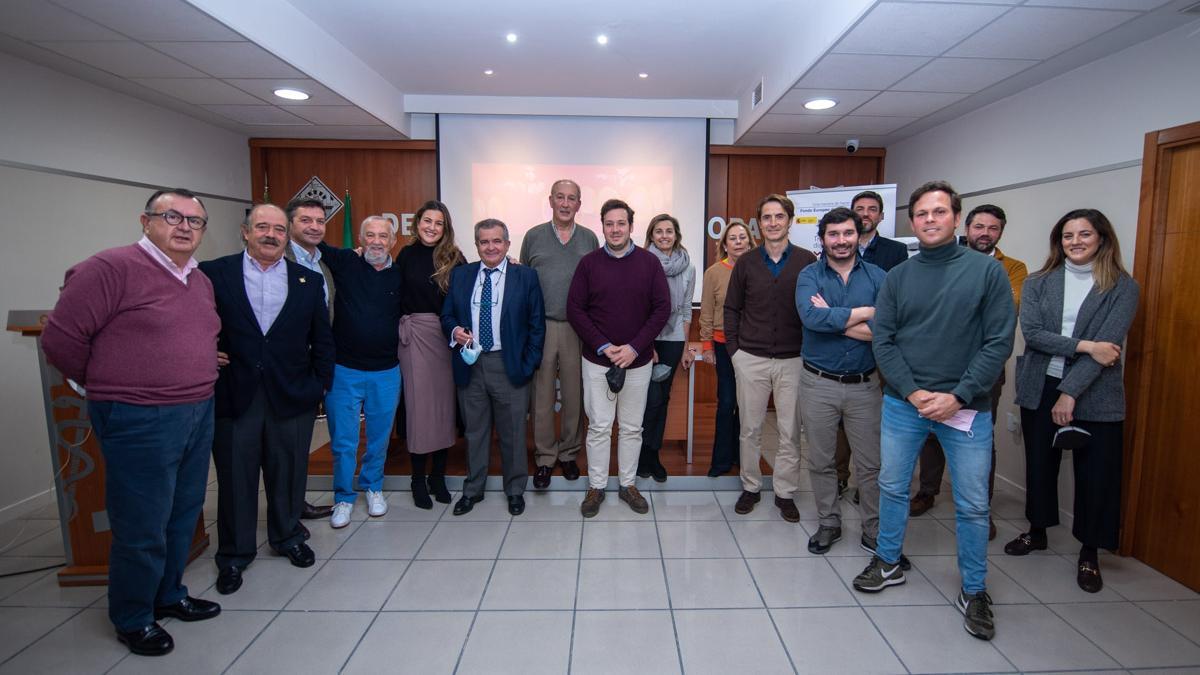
497, 309
275, 333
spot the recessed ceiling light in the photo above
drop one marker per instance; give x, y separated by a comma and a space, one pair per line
820, 104
643, 75
489, 71
602, 39
511, 37
292, 94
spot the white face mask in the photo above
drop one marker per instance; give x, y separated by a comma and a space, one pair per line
470, 353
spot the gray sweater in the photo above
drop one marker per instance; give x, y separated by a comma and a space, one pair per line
555, 262
944, 322
1099, 391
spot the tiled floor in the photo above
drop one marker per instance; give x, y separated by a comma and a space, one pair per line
690, 587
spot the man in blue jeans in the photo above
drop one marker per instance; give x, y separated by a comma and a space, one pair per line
943, 330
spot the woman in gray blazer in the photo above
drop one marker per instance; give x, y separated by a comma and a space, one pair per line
1075, 313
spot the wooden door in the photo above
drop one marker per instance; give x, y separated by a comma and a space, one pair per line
1162, 505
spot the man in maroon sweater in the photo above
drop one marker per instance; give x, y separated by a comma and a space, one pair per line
763, 334
618, 302
138, 329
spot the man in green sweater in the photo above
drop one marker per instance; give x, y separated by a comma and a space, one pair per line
943, 330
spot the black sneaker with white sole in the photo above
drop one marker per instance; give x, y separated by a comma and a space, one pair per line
977, 614
877, 576
868, 544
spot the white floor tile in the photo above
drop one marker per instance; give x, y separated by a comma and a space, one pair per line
45, 592
349, 585
770, 538
93, 648
458, 540
304, 642
1050, 578
430, 585
323, 539
718, 582
1182, 615
620, 539
494, 507
48, 544
697, 539
622, 584
730, 641
266, 584
916, 589
542, 540
930, 537
942, 571
411, 642
531, 584
646, 643
552, 505
914, 632
379, 540
834, 640
401, 508
1137, 581
799, 582
529, 643
202, 646
9, 565
1129, 634
20, 626
1035, 638
686, 506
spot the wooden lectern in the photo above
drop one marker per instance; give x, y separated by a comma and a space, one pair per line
78, 470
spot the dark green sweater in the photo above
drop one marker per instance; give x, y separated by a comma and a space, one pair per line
944, 322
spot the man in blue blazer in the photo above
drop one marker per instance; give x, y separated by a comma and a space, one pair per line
275, 334
495, 316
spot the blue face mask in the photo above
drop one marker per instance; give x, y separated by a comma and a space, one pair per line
470, 353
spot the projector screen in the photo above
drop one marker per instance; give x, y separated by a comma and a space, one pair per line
502, 166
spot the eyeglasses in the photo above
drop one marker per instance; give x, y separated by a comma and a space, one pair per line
175, 218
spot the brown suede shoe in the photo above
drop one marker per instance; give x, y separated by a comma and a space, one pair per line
634, 499
591, 503
920, 503
787, 509
745, 503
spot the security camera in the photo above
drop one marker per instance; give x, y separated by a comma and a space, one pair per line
852, 145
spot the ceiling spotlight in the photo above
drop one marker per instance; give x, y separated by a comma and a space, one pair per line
602, 39
511, 37
489, 71
292, 94
643, 75
820, 104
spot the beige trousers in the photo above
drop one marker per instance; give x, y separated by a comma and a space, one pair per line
758, 379
560, 366
603, 407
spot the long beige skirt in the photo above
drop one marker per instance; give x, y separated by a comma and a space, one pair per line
429, 400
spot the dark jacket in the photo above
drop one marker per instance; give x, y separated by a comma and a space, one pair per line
885, 253
293, 361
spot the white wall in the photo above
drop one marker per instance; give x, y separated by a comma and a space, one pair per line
50, 222
1092, 119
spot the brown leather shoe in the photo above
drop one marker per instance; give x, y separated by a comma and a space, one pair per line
570, 470
634, 499
920, 503
591, 502
541, 477
787, 509
312, 512
745, 503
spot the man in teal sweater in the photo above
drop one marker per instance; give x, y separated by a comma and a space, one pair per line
943, 330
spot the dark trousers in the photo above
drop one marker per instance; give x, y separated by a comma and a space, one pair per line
1097, 518
726, 447
155, 473
658, 396
933, 460
491, 397
259, 440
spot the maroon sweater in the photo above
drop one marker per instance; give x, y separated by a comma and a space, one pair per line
622, 301
129, 331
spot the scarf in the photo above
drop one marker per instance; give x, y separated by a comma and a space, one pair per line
675, 266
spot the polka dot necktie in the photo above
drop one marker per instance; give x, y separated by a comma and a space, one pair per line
485, 312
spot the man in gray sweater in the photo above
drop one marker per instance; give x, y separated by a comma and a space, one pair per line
943, 330
553, 249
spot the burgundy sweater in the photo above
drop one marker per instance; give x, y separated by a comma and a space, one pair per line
129, 331
623, 301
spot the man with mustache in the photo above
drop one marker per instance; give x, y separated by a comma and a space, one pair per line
275, 333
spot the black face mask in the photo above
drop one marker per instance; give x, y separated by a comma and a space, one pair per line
616, 379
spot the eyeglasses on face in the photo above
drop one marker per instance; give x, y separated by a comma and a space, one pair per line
175, 218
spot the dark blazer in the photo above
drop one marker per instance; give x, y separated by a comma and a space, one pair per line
1099, 391
293, 361
885, 253
522, 320
291, 255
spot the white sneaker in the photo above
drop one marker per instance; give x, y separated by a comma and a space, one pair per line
376, 504
341, 514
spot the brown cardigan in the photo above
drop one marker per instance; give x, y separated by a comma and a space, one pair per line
760, 309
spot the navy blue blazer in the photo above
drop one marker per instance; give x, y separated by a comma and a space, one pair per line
522, 320
293, 361
885, 253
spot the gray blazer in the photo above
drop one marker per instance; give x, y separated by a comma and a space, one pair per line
1099, 391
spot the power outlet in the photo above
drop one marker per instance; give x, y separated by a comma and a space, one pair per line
1014, 423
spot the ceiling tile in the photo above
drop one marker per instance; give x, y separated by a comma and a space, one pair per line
1039, 32
962, 75
907, 103
256, 114
848, 99
859, 71
336, 115
152, 19
868, 124
1140, 5
264, 88
127, 59
199, 91
794, 124
35, 20
918, 30
228, 59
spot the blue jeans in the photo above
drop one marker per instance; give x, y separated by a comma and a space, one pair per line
969, 455
375, 393
155, 474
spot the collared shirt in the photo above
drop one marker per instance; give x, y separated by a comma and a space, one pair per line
180, 273
628, 249
824, 346
498, 276
775, 267
265, 289
310, 261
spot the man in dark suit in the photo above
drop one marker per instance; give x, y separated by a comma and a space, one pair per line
275, 331
497, 309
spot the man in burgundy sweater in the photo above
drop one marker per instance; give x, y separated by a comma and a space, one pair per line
138, 329
618, 302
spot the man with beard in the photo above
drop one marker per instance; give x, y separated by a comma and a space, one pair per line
985, 226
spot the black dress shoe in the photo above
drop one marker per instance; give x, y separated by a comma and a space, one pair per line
149, 640
229, 580
304, 531
1024, 544
713, 472
437, 488
1088, 577
312, 512
570, 470
465, 504
299, 554
188, 609
659, 472
541, 477
516, 505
